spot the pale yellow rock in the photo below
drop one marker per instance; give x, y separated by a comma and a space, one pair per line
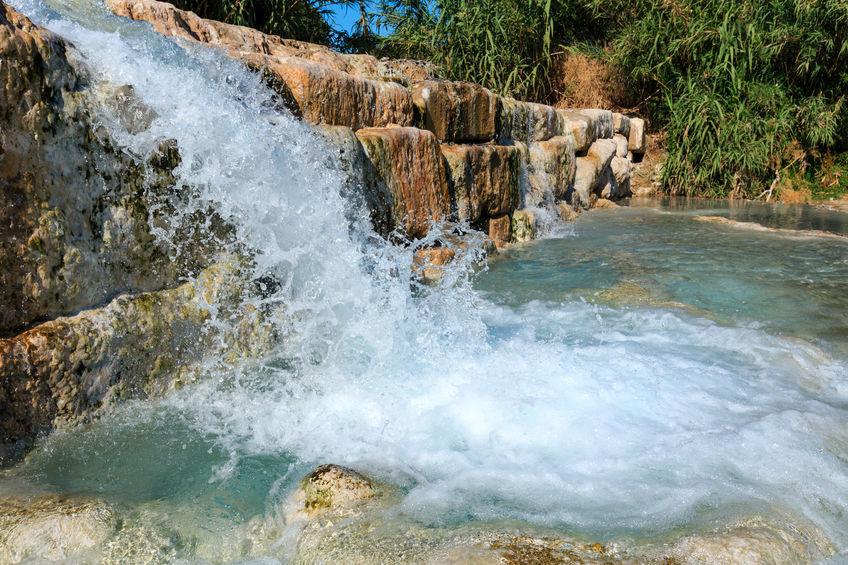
523, 226
637, 140
51, 528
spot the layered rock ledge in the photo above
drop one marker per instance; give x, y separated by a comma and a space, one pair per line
562, 155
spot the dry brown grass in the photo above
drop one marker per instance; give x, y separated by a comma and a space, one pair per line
581, 81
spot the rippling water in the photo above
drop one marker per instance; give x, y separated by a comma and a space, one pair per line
639, 374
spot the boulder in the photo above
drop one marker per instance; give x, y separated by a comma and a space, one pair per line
621, 170
527, 122
637, 143
500, 231
70, 369
620, 124
581, 127
523, 226
39, 528
601, 121
409, 164
620, 145
550, 170
484, 180
322, 95
585, 180
457, 111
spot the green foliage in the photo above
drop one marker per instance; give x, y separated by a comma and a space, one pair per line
735, 83
294, 19
505, 45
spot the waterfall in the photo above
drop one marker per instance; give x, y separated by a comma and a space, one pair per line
559, 413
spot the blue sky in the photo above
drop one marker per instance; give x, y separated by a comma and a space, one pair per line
344, 17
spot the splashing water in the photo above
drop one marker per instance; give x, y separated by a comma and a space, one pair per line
597, 417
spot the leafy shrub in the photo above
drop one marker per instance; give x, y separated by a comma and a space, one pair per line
294, 19
735, 83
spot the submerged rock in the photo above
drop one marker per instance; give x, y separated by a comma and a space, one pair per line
53, 528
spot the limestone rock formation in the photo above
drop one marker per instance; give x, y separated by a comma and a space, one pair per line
409, 163
73, 228
582, 129
551, 167
528, 122
39, 528
457, 111
637, 140
484, 180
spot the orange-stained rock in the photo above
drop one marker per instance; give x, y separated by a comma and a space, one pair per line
429, 263
457, 111
320, 85
484, 180
500, 230
322, 95
408, 161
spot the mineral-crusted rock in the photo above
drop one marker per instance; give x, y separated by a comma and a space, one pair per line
620, 145
323, 95
484, 180
593, 172
582, 129
409, 163
69, 369
753, 541
523, 226
637, 141
361, 182
527, 122
43, 527
429, 263
620, 124
621, 170
457, 111
567, 212
602, 121
551, 166
74, 210
585, 180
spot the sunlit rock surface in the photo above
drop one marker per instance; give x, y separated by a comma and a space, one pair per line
484, 180
409, 163
74, 217
37, 528
457, 111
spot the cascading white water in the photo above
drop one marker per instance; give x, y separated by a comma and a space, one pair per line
567, 414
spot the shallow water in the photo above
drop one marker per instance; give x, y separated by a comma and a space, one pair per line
642, 373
